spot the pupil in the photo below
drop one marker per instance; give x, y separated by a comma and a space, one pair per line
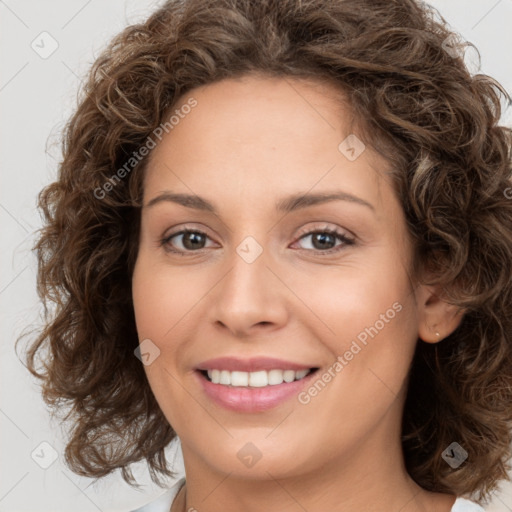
190, 240
321, 237
193, 240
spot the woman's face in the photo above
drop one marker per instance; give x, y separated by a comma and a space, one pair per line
272, 271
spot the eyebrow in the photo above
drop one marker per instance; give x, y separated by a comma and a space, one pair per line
285, 205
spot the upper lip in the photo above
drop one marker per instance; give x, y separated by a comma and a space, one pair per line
251, 365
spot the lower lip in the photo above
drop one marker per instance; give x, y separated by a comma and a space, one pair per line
247, 399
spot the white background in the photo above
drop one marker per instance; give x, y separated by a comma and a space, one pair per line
36, 98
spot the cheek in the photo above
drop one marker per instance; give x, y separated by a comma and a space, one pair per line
369, 319
160, 302
166, 301
162, 296
350, 299
375, 349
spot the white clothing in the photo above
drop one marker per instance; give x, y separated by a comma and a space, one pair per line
163, 502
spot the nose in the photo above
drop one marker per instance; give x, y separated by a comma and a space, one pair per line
251, 298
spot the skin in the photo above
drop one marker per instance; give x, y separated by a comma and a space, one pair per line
248, 143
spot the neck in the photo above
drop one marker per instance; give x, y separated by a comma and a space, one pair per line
363, 478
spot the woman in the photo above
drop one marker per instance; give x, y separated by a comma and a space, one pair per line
281, 233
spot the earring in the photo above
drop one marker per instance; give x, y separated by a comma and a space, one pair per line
437, 334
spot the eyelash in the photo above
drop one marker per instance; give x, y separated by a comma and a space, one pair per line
165, 242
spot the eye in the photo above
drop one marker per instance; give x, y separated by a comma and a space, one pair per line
190, 239
324, 240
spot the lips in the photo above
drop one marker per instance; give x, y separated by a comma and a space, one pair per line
254, 364
263, 395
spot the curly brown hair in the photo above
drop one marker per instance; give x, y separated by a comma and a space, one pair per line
415, 102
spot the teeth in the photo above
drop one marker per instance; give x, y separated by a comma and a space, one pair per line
288, 375
225, 378
255, 379
275, 377
239, 379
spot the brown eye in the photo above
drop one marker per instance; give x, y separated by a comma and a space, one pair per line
324, 240
187, 241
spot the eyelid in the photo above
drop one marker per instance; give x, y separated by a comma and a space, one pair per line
339, 233
182, 229
328, 228
346, 237
303, 231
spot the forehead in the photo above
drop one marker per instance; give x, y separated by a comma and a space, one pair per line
259, 137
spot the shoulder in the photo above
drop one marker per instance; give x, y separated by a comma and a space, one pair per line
164, 501
463, 505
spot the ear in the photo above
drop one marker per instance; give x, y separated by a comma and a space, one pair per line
437, 319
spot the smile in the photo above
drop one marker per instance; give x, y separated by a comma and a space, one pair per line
257, 379
250, 385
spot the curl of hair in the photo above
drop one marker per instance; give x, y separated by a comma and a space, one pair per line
413, 102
